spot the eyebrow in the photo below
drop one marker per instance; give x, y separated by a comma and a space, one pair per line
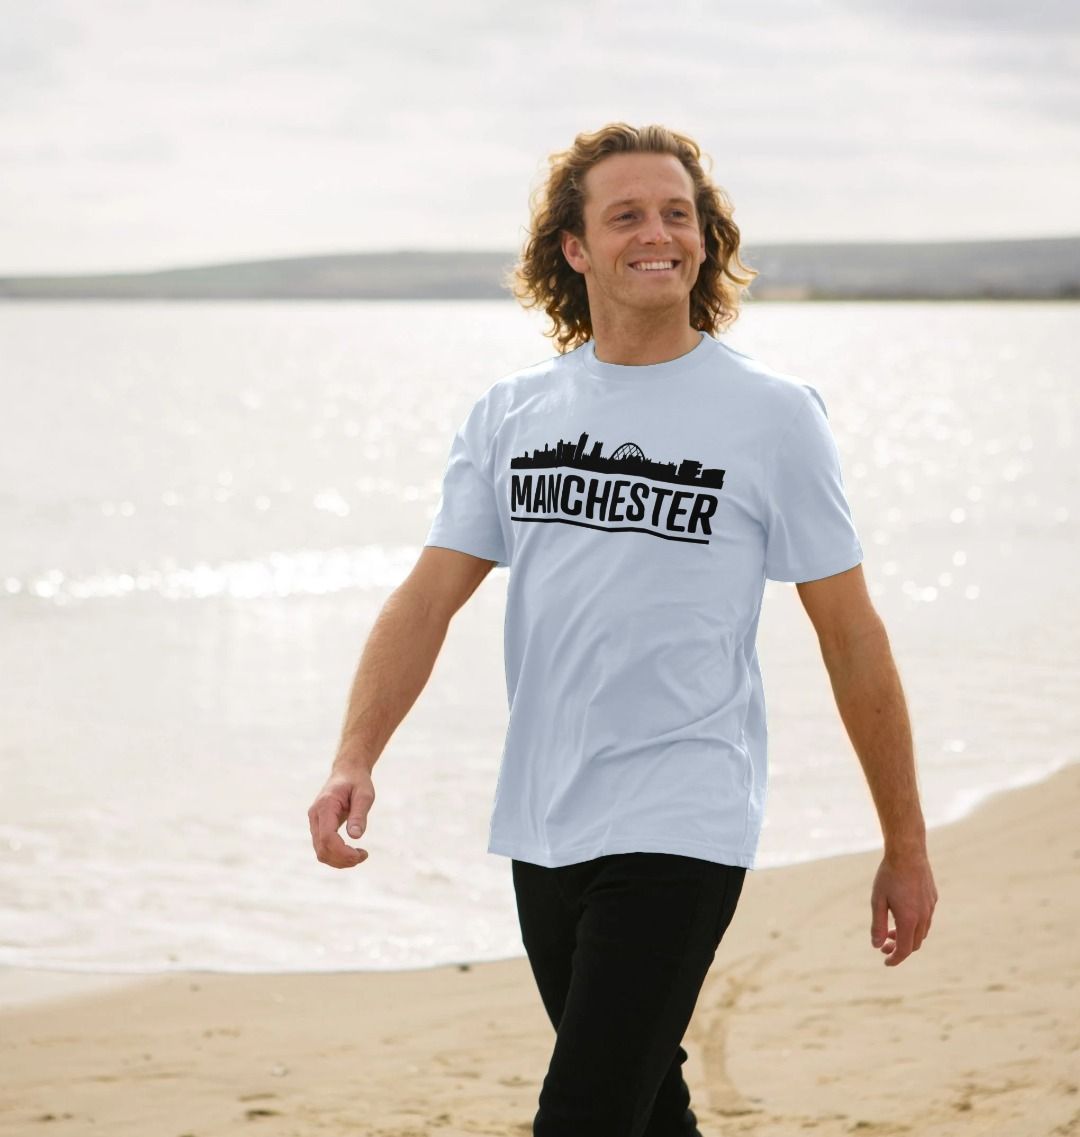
635, 200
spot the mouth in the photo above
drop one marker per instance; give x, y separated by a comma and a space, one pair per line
640, 267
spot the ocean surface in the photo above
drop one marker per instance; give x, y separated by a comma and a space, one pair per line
204, 505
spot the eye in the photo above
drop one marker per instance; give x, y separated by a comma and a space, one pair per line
681, 212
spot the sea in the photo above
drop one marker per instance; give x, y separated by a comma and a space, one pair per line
203, 506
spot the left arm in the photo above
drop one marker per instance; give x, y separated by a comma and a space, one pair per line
870, 699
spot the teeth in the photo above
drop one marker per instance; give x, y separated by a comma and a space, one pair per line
650, 266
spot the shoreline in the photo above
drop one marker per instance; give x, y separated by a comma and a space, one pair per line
24, 984
799, 1024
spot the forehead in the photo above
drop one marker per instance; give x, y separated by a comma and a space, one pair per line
621, 176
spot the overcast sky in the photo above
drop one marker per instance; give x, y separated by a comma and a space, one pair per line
145, 134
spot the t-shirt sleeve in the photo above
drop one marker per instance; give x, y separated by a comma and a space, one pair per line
467, 515
809, 527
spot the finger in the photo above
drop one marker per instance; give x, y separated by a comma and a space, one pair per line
354, 854
325, 825
922, 929
344, 855
316, 828
329, 847
341, 855
879, 922
905, 932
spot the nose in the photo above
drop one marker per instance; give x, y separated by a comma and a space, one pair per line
654, 231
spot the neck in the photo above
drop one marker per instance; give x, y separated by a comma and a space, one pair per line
638, 346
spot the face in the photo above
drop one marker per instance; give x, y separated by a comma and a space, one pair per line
638, 208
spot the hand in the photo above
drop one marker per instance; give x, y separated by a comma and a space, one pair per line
904, 884
348, 793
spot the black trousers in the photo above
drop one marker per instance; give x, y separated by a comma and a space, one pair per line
620, 947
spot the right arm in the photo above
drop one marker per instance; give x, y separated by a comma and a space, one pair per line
396, 664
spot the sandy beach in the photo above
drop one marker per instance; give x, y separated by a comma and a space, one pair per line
800, 1027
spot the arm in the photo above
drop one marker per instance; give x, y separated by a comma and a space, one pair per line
396, 664
870, 699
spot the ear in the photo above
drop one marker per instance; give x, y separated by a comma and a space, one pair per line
573, 252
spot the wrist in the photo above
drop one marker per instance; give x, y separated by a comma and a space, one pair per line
352, 761
906, 846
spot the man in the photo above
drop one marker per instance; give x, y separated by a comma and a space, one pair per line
642, 487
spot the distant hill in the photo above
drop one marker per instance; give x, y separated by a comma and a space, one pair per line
1028, 269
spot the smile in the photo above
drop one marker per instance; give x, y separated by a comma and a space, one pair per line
659, 267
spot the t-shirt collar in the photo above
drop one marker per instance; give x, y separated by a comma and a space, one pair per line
669, 369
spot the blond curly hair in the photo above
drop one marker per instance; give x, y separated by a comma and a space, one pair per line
543, 278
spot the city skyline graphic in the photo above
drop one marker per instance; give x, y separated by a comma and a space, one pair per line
627, 458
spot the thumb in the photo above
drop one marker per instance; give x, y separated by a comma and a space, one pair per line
358, 817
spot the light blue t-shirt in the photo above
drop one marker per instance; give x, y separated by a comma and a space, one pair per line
640, 510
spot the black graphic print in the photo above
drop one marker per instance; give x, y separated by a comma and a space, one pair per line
613, 491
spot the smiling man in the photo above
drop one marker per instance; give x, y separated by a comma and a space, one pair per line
641, 485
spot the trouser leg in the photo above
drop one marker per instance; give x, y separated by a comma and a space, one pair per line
671, 1115
619, 948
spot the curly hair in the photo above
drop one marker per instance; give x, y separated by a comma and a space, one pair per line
543, 278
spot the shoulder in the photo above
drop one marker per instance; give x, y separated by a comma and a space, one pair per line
779, 395
496, 403
515, 387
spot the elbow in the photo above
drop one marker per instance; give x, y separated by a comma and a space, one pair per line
852, 638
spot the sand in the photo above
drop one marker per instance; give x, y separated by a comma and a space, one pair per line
800, 1028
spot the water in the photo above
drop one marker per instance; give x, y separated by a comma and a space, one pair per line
205, 505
